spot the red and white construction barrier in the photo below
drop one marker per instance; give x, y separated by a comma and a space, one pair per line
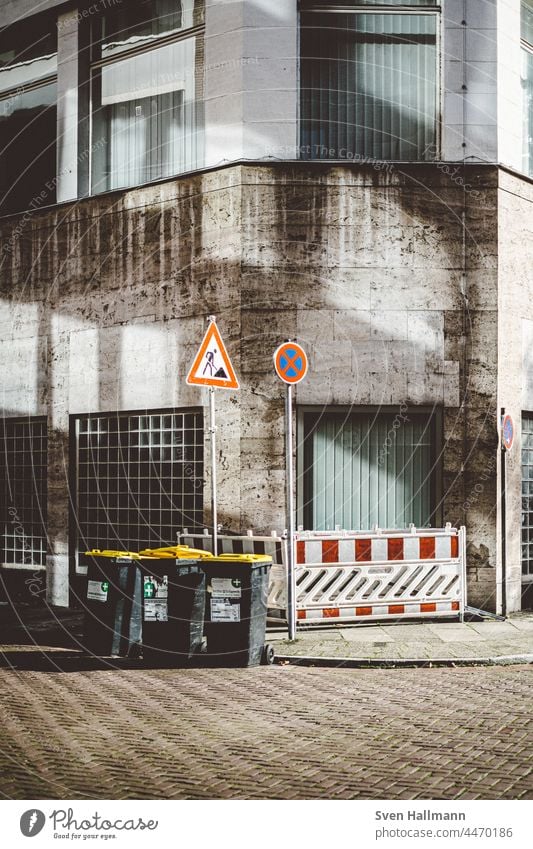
347, 576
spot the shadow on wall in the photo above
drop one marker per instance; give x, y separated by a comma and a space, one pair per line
267, 257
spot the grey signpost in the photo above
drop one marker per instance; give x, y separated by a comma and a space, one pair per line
507, 438
290, 361
212, 368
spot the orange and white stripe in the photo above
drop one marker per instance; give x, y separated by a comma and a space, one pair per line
379, 611
377, 549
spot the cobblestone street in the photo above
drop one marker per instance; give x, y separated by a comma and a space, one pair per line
276, 732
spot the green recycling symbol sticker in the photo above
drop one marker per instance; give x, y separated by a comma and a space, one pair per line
236, 582
105, 586
149, 589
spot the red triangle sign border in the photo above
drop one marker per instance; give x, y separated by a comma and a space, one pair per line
196, 377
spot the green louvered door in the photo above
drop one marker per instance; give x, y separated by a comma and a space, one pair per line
365, 469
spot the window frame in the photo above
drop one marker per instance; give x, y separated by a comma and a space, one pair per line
42, 421
433, 413
95, 65
307, 6
76, 569
11, 94
527, 156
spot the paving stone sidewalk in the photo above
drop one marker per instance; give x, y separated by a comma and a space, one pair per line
25, 629
421, 641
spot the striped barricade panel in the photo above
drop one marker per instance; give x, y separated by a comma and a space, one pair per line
376, 549
351, 576
356, 576
275, 547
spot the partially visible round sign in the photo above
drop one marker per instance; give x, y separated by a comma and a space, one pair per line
507, 432
290, 361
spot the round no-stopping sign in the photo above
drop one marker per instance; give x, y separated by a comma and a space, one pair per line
290, 361
507, 432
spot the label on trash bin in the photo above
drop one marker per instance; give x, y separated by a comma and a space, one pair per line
155, 591
225, 610
97, 590
226, 587
226, 600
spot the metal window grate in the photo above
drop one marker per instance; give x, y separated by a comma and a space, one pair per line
527, 497
139, 478
23, 471
365, 469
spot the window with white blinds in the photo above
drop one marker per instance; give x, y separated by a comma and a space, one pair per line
147, 78
366, 469
369, 82
527, 84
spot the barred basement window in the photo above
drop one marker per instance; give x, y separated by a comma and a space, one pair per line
527, 497
23, 473
139, 478
369, 80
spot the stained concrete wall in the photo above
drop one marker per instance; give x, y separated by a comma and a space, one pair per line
515, 341
103, 304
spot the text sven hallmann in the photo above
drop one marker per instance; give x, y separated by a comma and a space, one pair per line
419, 815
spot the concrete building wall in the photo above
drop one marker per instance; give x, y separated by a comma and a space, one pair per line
469, 67
510, 93
515, 341
252, 80
104, 304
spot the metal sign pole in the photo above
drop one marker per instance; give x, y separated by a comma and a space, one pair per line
503, 482
290, 362
212, 428
291, 574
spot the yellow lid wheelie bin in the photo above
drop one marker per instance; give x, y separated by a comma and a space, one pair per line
113, 603
173, 604
236, 609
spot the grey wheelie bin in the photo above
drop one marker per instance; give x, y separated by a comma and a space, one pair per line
236, 609
173, 605
113, 604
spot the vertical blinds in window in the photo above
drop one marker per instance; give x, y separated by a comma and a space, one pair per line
366, 470
369, 84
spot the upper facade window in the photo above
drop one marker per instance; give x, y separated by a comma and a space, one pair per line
28, 114
146, 91
369, 80
527, 83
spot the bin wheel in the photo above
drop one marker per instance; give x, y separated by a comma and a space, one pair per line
267, 657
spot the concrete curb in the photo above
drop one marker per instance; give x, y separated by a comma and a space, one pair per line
388, 663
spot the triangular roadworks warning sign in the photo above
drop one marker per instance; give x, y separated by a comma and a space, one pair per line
212, 365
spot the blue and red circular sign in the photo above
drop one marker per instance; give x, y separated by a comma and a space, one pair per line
290, 361
507, 432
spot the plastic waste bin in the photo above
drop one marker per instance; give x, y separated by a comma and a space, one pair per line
174, 604
113, 603
236, 609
